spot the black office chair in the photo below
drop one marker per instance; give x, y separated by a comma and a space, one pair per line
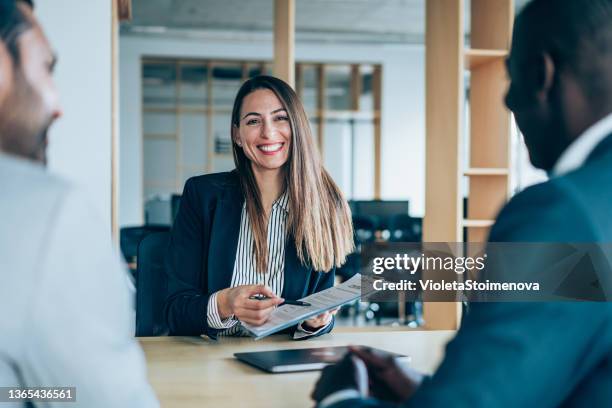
404, 228
151, 285
175, 203
129, 239
364, 230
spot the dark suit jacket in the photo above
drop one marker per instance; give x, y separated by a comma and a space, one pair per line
202, 251
535, 354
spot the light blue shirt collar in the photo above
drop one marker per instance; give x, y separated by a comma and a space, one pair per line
579, 150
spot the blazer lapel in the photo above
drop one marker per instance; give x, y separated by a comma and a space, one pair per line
224, 239
297, 276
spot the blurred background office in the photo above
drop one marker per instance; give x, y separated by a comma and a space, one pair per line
359, 68
172, 70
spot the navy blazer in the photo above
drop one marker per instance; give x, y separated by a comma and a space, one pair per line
518, 354
202, 252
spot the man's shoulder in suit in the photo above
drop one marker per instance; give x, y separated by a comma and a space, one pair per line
569, 208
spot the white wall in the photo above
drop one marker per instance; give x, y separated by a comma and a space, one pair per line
403, 106
80, 142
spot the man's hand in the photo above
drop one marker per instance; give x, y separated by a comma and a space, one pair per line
336, 377
236, 302
388, 381
315, 323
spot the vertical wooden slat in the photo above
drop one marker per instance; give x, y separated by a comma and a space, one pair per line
123, 9
284, 40
355, 87
489, 119
142, 139
245, 71
377, 95
444, 103
321, 108
115, 123
179, 138
299, 80
491, 24
209, 123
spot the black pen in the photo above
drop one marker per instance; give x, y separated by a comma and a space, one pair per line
295, 303
287, 302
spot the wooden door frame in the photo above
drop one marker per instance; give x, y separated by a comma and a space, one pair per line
121, 10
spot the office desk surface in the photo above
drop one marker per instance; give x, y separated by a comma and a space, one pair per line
197, 372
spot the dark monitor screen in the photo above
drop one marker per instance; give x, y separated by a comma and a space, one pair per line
380, 207
380, 210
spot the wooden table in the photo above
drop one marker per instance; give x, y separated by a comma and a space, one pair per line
197, 372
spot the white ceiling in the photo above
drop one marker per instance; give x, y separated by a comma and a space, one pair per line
375, 20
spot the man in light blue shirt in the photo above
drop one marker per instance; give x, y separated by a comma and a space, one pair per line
66, 317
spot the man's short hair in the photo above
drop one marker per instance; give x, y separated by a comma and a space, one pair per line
573, 32
13, 23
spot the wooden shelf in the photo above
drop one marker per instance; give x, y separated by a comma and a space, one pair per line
192, 167
162, 136
185, 109
160, 184
478, 223
473, 58
159, 109
486, 171
343, 114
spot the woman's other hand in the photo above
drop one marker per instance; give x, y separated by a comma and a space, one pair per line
237, 302
315, 323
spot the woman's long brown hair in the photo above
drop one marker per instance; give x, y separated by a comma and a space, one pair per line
319, 217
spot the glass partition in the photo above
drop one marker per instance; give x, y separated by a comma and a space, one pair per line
186, 113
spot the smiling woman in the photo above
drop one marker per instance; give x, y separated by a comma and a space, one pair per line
277, 226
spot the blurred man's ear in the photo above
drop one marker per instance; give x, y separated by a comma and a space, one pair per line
545, 76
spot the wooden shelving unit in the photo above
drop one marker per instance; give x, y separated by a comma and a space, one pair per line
484, 171
474, 58
489, 132
448, 57
477, 223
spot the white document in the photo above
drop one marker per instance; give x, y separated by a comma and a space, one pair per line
289, 315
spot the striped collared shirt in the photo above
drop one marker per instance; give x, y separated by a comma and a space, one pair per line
245, 272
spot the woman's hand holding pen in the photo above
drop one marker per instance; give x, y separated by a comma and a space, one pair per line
237, 302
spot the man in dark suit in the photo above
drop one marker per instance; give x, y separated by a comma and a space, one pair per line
522, 354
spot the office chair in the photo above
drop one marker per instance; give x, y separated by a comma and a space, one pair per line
364, 230
129, 239
151, 285
175, 203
